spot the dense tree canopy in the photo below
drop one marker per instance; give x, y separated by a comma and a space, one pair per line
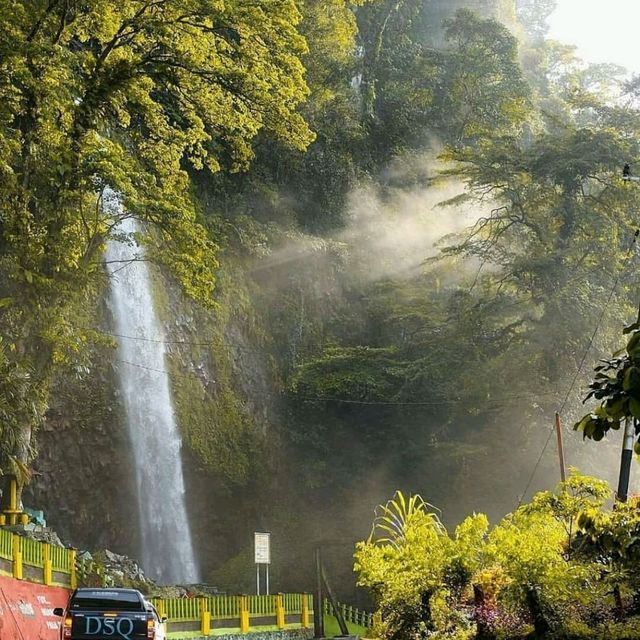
411, 211
126, 95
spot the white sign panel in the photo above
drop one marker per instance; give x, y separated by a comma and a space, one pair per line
262, 548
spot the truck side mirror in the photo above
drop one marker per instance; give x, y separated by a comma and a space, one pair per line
58, 611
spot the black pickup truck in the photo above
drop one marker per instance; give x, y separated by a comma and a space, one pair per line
109, 614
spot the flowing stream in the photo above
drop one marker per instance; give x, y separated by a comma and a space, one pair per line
167, 551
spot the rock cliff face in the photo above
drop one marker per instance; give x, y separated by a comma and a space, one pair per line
223, 396
83, 477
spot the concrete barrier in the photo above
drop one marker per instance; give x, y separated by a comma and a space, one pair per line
285, 634
26, 610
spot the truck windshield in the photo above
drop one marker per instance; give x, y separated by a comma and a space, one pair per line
107, 601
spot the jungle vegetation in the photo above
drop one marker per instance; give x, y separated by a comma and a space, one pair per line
561, 566
287, 158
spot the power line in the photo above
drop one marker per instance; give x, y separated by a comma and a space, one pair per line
435, 403
163, 371
154, 340
579, 369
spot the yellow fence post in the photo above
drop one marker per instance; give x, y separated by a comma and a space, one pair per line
279, 611
47, 569
205, 617
244, 615
13, 495
73, 576
12, 512
17, 556
304, 618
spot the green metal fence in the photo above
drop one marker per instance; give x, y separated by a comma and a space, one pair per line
6, 544
32, 552
293, 602
261, 605
222, 607
60, 559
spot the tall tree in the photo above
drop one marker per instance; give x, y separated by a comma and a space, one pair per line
127, 95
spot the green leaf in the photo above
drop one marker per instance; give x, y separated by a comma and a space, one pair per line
631, 381
634, 407
581, 424
633, 342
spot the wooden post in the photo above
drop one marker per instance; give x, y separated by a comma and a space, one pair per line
244, 615
337, 608
318, 605
279, 611
17, 556
563, 473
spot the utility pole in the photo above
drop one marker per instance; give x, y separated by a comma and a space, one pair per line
625, 460
563, 473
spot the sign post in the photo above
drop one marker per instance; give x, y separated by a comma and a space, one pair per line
262, 548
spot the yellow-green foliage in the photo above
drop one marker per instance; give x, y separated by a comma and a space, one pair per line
530, 549
528, 567
214, 426
215, 422
406, 568
127, 95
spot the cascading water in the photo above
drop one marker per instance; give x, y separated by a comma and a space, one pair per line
167, 552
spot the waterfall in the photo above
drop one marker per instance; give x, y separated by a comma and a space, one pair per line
167, 552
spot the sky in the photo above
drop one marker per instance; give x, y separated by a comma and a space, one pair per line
603, 30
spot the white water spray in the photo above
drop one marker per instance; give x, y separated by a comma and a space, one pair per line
167, 552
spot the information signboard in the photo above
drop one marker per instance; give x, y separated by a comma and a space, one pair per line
262, 548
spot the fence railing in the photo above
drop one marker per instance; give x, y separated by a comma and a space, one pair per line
351, 614
60, 559
37, 561
231, 614
214, 615
6, 545
32, 553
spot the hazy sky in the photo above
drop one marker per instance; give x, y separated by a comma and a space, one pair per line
603, 30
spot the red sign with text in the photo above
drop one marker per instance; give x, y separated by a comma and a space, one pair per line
26, 610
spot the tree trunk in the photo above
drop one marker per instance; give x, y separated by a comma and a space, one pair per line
5, 487
540, 624
479, 614
619, 610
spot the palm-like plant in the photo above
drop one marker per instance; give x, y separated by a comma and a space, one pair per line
394, 518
